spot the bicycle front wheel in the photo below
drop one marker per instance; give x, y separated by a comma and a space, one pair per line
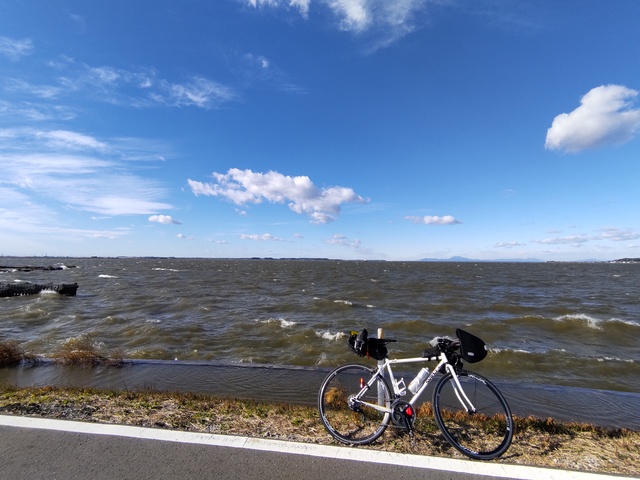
483, 433
350, 420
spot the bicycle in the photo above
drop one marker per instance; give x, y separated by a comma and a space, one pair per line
356, 403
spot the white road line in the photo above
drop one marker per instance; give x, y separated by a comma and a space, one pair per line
346, 453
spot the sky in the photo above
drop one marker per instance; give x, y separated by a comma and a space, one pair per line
346, 129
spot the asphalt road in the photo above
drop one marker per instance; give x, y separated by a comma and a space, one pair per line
37, 449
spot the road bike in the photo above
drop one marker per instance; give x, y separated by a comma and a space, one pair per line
357, 402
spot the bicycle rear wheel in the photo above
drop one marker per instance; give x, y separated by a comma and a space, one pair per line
483, 434
347, 420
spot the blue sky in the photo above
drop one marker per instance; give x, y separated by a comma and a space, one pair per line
354, 129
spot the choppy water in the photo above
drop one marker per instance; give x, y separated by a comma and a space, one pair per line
571, 324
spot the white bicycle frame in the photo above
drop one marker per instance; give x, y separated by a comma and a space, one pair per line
399, 392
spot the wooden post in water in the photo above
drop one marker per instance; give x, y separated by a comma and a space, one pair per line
380, 384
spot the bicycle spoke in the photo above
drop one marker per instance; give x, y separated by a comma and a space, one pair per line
484, 433
348, 419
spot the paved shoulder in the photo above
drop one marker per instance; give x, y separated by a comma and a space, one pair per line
37, 448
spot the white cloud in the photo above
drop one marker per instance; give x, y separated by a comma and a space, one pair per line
617, 235
302, 5
65, 139
343, 240
604, 234
244, 186
140, 88
388, 20
259, 70
265, 237
16, 85
512, 244
198, 92
433, 220
355, 15
605, 117
15, 49
36, 111
21, 214
74, 171
164, 219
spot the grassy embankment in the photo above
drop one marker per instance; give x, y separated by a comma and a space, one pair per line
538, 442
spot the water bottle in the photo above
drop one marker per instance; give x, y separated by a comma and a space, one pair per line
417, 382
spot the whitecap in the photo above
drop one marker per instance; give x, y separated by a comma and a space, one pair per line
345, 302
631, 323
322, 359
615, 359
327, 335
104, 275
283, 323
582, 317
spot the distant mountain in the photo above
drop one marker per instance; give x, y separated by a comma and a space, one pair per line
465, 259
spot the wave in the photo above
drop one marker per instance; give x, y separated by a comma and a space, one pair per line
519, 353
344, 302
48, 292
283, 323
327, 335
593, 322
106, 276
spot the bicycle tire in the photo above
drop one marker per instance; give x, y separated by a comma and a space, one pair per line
358, 424
481, 435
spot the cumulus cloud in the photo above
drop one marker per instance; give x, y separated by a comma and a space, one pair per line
605, 117
433, 220
15, 49
164, 219
246, 187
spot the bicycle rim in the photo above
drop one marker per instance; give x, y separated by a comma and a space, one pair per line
482, 435
357, 424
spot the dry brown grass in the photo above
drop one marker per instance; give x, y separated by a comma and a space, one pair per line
10, 354
83, 351
79, 351
538, 442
